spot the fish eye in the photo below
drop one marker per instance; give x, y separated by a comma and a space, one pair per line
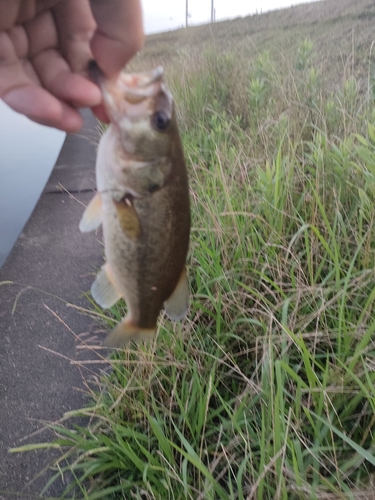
160, 120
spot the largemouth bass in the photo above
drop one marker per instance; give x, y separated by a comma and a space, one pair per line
142, 201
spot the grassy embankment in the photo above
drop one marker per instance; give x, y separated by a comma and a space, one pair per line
266, 391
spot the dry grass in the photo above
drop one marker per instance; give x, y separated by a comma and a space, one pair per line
266, 391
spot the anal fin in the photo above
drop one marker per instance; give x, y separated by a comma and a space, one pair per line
92, 216
103, 290
125, 332
177, 304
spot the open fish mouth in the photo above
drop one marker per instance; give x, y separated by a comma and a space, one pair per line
132, 88
142, 80
139, 80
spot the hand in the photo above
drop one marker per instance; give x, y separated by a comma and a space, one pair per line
45, 46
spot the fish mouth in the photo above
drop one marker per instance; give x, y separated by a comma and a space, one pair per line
142, 80
129, 88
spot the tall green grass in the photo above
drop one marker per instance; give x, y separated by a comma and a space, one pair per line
266, 390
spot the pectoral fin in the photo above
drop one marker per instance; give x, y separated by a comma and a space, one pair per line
92, 216
128, 218
177, 305
125, 332
103, 290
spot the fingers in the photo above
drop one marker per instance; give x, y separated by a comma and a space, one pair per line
19, 89
19, 11
75, 25
43, 63
56, 77
11, 71
53, 70
119, 35
41, 107
19, 41
41, 34
9, 13
20, 79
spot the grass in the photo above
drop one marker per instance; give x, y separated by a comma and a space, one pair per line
266, 391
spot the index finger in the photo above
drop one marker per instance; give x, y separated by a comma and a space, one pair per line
119, 35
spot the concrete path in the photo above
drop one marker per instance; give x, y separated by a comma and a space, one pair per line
52, 256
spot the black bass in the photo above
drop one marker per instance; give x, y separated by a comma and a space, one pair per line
142, 201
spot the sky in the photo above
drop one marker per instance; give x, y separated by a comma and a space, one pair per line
165, 15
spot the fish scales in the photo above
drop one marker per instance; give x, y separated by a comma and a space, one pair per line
163, 231
143, 204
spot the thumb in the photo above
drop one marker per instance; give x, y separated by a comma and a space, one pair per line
119, 35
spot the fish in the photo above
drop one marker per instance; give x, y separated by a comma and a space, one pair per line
142, 202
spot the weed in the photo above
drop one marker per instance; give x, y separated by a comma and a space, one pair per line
266, 391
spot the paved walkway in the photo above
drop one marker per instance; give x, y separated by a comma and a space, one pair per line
51, 255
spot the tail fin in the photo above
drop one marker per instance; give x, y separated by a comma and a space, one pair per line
126, 331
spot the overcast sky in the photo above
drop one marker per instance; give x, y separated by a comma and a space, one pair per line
164, 15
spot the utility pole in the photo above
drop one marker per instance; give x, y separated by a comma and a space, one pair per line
187, 13
212, 11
